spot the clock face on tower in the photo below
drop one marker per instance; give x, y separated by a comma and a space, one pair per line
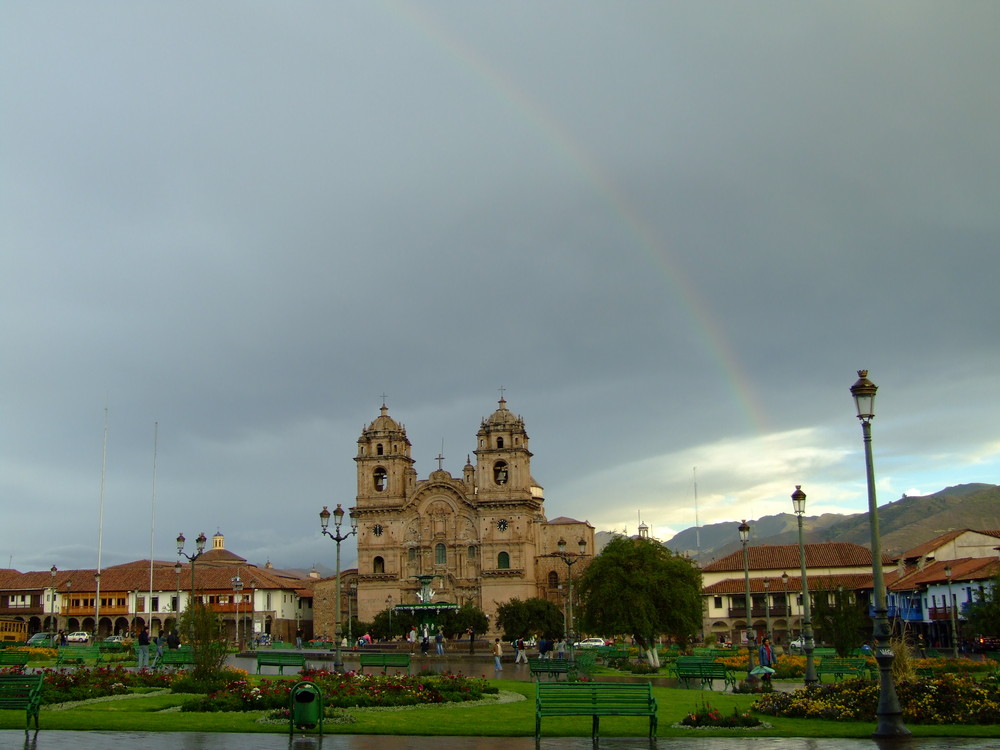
377, 529
502, 524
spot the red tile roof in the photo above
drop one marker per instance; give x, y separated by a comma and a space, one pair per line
786, 557
850, 581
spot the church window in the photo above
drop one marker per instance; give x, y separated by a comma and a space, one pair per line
503, 561
361, 450
499, 442
553, 580
500, 472
380, 476
379, 450
472, 552
411, 554
440, 555
378, 566
482, 443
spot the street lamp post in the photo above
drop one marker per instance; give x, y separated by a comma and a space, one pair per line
350, 614
767, 606
889, 713
799, 504
951, 609
744, 530
338, 519
388, 606
571, 559
177, 606
788, 608
237, 595
199, 550
52, 604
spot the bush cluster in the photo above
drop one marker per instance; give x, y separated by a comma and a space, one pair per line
82, 683
706, 716
949, 699
348, 690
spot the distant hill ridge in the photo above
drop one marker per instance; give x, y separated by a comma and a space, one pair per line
903, 523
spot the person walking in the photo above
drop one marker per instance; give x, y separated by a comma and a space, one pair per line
439, 642
521, 652
411, 638
767, 658
142, 661
497, 655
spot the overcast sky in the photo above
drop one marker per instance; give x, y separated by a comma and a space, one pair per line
672, 232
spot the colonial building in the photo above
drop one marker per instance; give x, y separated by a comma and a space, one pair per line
776, 586
483, 535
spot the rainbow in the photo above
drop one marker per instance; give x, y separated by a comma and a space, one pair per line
710, 332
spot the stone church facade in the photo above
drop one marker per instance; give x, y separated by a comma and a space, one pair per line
483, 535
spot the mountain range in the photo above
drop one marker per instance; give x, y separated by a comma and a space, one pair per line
903, 524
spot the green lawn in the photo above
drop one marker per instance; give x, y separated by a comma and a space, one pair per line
149, 713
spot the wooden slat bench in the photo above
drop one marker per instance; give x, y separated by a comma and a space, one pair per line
279, 659
383, 660
840, 668
551, 667
687, 668
22, 691
78, 655
594, 699
10, 657
175, 657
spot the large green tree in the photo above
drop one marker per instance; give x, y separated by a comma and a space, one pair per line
638, 587
984, 612
534, 616
840, 619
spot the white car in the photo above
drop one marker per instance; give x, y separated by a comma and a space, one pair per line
78, 637
589, 643
797, 645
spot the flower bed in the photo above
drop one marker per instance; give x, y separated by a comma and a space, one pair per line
949, 699
61, 685
348, 690
706, 717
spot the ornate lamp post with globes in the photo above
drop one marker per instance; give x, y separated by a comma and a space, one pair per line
744, 538
570, 559
799, 504
338, 519
889, 713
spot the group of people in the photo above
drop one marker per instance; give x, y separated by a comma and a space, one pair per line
144, 640
425, 641
547, 649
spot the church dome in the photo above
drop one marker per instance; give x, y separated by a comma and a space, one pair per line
503, 418
384, 424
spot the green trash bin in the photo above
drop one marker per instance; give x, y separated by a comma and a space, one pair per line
306, 707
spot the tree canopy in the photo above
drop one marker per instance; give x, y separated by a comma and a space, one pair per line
536, 616
640, 588
984, 612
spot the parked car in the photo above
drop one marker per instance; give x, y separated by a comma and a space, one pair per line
79, 636
115, 639
797, 645
983, 643
589, 643
42, 640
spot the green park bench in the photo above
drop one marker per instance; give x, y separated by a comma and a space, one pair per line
175, 657
280, 659
594, 699
840, 668
13, 658
551, 667
704, 669
611, 653
78, 655
383, 660
22, 692
823, 651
